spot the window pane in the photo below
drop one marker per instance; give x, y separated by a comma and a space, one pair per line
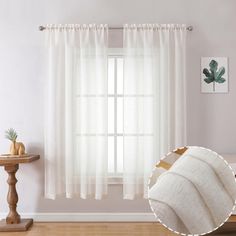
120, 76
110, 115
120, 115
119, 154
111, 75
111, 154
115, 75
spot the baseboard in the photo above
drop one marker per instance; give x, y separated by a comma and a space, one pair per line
88, 217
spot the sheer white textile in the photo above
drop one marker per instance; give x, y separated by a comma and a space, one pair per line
154, 100
76, 112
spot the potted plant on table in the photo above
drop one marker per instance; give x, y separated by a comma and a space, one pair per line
17, 148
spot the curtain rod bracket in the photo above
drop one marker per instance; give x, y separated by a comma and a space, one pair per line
41, 28
190, 28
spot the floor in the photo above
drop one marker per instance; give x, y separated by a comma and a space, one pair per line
105, 229
94, 229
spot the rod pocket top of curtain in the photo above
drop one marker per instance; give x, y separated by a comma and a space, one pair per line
157, 26
72, 27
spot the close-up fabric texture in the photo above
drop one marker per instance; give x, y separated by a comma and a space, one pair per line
196, 195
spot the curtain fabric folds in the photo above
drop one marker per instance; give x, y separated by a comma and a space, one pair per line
154, 110
154, 100
76, 112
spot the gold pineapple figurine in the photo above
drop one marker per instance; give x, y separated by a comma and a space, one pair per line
17, 148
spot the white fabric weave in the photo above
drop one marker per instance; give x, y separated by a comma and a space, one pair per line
76, 112
154, 99
198, 188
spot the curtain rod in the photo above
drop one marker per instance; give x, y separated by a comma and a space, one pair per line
42, 28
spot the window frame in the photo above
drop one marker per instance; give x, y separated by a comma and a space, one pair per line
115, 177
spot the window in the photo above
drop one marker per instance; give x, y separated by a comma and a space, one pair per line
115, 113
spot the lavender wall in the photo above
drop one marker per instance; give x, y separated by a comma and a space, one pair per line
211, 117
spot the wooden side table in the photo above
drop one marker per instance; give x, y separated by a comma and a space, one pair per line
13, 221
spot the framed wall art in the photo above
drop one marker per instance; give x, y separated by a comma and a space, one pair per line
214, 75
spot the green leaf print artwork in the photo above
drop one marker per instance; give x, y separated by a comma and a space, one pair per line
214, 75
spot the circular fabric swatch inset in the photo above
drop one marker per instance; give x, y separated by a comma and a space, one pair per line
192, 191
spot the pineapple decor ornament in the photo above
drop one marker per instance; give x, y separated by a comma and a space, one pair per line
16, 148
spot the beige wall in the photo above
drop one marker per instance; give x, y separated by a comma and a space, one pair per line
211, 118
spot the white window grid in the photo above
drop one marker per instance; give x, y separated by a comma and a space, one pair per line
115, 125
115, 128
116, 92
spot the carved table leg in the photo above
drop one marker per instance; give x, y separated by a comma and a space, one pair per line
13, 222
12, 197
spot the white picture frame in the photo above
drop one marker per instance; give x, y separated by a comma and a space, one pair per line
214, 68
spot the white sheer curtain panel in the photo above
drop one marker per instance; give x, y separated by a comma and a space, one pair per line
76, 111
154, 100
